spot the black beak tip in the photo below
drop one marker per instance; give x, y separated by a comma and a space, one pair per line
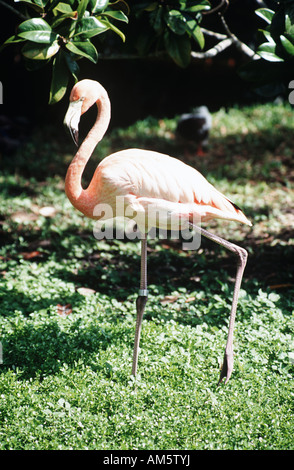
75, 135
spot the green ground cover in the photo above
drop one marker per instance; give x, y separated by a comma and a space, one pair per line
67, 302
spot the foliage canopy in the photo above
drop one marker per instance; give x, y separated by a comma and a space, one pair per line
63, 32
275, 69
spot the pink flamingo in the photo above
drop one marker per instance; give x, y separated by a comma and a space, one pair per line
147, 181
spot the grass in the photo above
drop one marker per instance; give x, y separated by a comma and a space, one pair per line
68, 303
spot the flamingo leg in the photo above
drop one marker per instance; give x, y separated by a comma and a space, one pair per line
242, 254
140, 303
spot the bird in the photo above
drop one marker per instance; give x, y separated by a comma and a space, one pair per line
148, 183
194, 128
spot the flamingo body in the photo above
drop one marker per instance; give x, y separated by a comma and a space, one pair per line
150, 181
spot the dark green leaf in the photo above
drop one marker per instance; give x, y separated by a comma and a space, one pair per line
116, 15
115, 29
40, 52
89, 27
289, 25
37, 30
266, 14
156, 18
72, 65
60, 18
201, 6
33, 65
39, 3
144, 43
178, 48
44, 37
63, 8
288, 46
82, 8
196, 32
267, 34
277, 26
34, 23
11, 40
176, 22
60, 77
63, 5
267, 51
84, 48
98, 5
146, 6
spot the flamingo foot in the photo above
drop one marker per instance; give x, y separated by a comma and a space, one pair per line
227, 367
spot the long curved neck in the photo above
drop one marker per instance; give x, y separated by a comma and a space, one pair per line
77, 195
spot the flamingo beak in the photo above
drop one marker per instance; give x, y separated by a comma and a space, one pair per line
72, 119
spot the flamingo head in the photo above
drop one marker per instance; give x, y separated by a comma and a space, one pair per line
83, 95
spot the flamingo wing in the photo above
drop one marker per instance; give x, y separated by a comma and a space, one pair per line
152, 177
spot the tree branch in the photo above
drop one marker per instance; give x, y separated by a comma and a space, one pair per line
213, 34
239, 44
11, 8
226, 40
221, 46
224, 3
